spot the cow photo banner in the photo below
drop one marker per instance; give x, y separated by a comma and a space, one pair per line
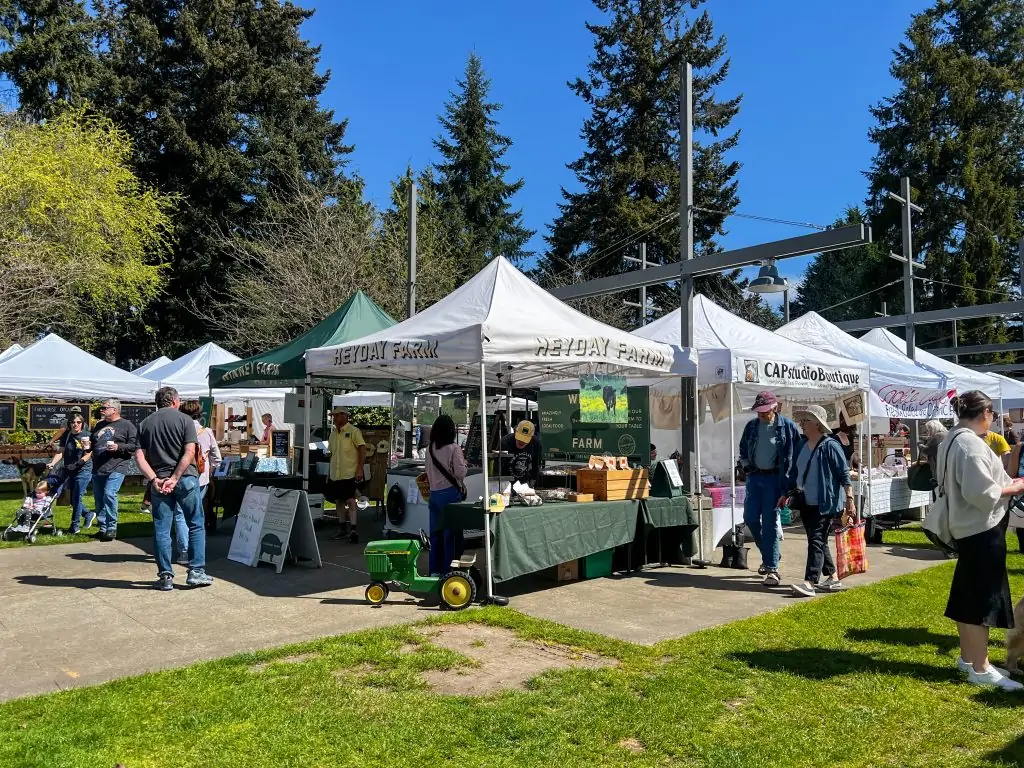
603, 400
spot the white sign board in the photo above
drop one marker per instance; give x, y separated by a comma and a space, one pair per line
673, 472
245, 540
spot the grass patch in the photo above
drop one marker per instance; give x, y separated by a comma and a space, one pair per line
131, 523
864, 678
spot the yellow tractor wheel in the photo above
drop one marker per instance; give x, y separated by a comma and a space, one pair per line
376, 593
457, 591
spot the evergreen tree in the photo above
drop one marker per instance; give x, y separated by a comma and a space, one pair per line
834, 281
221, 98
471, 179
956, 128
628, 173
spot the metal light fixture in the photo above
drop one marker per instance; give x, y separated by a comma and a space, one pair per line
768, 279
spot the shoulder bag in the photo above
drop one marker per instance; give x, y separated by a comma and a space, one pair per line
448, 475
920, 476
936, 522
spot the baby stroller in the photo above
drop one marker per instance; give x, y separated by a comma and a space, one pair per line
31, 519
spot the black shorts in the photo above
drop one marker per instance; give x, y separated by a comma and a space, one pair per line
340, 491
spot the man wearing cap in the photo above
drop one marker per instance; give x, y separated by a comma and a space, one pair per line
348, 454
768, 456
524, 447
114, 441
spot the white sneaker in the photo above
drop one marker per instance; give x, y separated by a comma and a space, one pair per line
771, 579
992, 677
831, 584
804, 589
966, 668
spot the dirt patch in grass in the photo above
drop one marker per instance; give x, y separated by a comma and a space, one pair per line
632, 745
297, 658
357, 673
503, 660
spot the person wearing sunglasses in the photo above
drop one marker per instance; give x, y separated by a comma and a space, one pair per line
114, 441
74, 448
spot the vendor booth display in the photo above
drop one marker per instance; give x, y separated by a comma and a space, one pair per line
498, 330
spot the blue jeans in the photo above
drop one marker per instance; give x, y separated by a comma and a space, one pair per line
445, 544
181, 525
761, 516
78, 483
185, 495
104, 491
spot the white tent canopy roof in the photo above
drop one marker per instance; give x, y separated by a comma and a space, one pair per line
732, 349
502, 319
152, 365
965, 379
900, 387
57, 369
11, 351
1013, 391
190, 375
363, 400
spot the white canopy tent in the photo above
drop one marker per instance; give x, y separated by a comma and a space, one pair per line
152, 365
11, 351
363, 400
900, 388
1013, 391
499, 329
57, 369
966, 379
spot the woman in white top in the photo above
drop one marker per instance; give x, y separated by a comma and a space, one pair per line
978, 491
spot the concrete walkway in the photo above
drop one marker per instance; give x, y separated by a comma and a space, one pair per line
81, 614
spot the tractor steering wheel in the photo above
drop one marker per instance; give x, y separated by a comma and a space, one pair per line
424, 539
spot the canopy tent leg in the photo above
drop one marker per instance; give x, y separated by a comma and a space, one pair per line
701, 562
393, 443
307, 406
732, 459
490, 597
870, 453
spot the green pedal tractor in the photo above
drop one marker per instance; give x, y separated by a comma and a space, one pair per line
392, 564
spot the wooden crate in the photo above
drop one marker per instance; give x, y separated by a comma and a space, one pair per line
613, 484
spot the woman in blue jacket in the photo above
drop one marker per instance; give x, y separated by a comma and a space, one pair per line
824, 477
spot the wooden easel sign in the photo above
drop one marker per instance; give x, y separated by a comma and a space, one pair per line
271, 522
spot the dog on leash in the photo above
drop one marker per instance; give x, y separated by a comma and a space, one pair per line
1015, 638
31, 474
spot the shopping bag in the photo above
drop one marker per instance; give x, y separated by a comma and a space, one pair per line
851, 551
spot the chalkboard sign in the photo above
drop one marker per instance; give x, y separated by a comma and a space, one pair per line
564, 437
280, 440
270, 522
472, 450
136, 413
7, 415
48, 416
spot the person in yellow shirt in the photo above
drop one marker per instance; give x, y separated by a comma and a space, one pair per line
997, 443
348, 454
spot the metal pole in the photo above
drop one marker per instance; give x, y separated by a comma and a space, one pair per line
785, 305
643, 288
908, 267
1020, 253
411, 309
307, 396
487, 478
690, 471
956, 358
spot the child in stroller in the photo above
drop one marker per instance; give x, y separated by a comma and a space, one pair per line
36, 511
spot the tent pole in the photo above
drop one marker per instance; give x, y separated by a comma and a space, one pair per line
393, 442
698, 415
307, 396
490, 597
870, 452
732, 461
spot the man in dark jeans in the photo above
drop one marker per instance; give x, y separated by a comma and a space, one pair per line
114, 440
166, 456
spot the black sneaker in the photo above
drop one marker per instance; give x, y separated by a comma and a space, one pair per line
344, 533
104, 536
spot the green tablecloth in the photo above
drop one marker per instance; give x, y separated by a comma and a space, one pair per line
531, 539
667, 513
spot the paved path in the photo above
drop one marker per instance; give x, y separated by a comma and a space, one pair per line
80, 614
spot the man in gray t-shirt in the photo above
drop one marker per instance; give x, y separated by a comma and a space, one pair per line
166, 456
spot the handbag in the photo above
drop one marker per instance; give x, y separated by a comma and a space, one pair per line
920, 477
797, 499
936, 522
449, 476
851, 550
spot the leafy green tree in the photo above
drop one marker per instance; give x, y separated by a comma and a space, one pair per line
82, 240
628, 174
471, 178
955, 127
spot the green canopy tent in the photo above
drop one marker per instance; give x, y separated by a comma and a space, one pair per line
285, 366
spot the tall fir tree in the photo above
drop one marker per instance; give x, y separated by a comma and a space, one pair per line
471, 178
222, 100
955, 127
628, 174
835, 282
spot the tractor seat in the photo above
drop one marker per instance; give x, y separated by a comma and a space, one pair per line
466, 561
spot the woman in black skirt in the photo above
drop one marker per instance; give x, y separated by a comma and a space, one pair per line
977, 489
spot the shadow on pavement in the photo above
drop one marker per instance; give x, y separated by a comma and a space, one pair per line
82, 583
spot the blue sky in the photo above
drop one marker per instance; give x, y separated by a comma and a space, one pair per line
808, 71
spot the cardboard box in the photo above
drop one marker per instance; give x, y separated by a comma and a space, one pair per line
569, 571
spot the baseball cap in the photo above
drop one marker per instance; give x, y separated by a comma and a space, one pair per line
339, 409
764, 402
525, 431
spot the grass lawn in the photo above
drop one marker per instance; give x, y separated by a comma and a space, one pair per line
865, 678
130, 522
